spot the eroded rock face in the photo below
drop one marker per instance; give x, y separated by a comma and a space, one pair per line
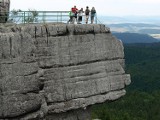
49, 69
4, 9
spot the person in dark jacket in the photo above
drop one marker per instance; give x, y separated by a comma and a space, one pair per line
93, 13
87, 11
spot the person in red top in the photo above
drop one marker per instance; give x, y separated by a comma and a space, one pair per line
74, 10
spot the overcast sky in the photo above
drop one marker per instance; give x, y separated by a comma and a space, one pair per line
103, 7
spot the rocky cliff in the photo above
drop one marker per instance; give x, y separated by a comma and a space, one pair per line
4, 9
55, 71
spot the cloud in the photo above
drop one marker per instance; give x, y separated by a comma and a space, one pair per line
146, 1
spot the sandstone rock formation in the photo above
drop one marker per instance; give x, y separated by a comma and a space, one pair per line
55, 71
4, 9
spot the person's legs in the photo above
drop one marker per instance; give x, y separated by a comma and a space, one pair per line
73, 20
92, 19
79, 19
69, 21
87, 19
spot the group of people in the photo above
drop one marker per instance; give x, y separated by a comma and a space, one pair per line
77, 15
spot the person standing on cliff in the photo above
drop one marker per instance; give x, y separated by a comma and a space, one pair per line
74, 11
80, 14
93, 13
87, 11
71, 14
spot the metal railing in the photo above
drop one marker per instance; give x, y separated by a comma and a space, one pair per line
38, 17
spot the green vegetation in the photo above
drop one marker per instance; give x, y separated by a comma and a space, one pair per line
142, 101
135, 38
134, 106
143, 63
28, 17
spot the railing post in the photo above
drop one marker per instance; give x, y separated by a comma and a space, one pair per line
96, 18
61, 16
43, 16
57, 17
24, 17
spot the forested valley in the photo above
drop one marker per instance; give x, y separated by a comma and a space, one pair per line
142, 101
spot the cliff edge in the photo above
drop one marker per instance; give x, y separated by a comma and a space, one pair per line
50, 71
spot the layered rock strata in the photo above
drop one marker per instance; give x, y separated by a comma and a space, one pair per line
50, 70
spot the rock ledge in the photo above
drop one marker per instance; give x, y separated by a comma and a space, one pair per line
49, 69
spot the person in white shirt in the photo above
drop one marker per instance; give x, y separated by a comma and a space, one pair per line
80, 14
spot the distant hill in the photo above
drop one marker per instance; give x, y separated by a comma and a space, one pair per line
149, 31
135, 28
135, 38
133, 25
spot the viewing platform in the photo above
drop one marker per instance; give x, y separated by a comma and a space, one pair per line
18, 17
